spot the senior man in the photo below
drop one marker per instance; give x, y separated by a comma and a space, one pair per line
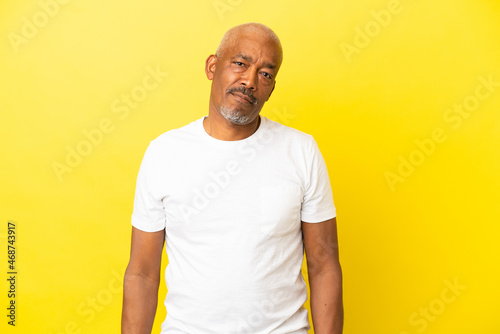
236, 198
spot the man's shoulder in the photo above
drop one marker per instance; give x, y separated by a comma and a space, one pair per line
178, 135
289, 133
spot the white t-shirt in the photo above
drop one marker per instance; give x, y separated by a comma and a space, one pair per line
232, 214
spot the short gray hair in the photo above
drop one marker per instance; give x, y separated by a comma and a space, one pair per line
231, 34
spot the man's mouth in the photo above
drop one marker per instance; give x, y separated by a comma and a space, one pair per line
241, 95
243, 98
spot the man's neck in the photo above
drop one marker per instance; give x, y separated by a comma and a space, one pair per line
220, 128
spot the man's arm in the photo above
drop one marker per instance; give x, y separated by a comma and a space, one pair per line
325, 276
141, 281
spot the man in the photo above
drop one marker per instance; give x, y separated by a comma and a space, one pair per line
237, 198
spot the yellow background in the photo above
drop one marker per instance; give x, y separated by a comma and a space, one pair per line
401, 243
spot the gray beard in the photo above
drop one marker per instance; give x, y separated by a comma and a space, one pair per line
233, 115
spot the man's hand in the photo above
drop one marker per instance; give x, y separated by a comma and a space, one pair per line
141, 281
325, 276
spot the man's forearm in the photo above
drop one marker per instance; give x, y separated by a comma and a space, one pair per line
140, 298
326, 302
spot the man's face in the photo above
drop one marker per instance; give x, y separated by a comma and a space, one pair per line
243, 78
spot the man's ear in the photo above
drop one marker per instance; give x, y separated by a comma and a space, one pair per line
210, 66
274, 84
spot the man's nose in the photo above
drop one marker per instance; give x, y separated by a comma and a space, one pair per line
249, 80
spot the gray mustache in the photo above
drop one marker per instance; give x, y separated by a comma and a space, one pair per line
243, 91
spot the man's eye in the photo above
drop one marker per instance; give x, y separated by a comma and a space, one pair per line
267, 75
239, 63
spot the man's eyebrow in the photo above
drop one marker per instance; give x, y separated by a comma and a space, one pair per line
249, 59
242, 56
269, 65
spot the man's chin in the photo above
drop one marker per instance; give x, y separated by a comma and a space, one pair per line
234, 116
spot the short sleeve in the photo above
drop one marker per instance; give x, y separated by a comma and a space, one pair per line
148, 214
318, 203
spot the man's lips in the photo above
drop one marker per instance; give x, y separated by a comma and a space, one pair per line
242, 98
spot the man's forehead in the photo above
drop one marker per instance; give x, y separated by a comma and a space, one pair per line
241, 55
251, 41
260, 44
255, 38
